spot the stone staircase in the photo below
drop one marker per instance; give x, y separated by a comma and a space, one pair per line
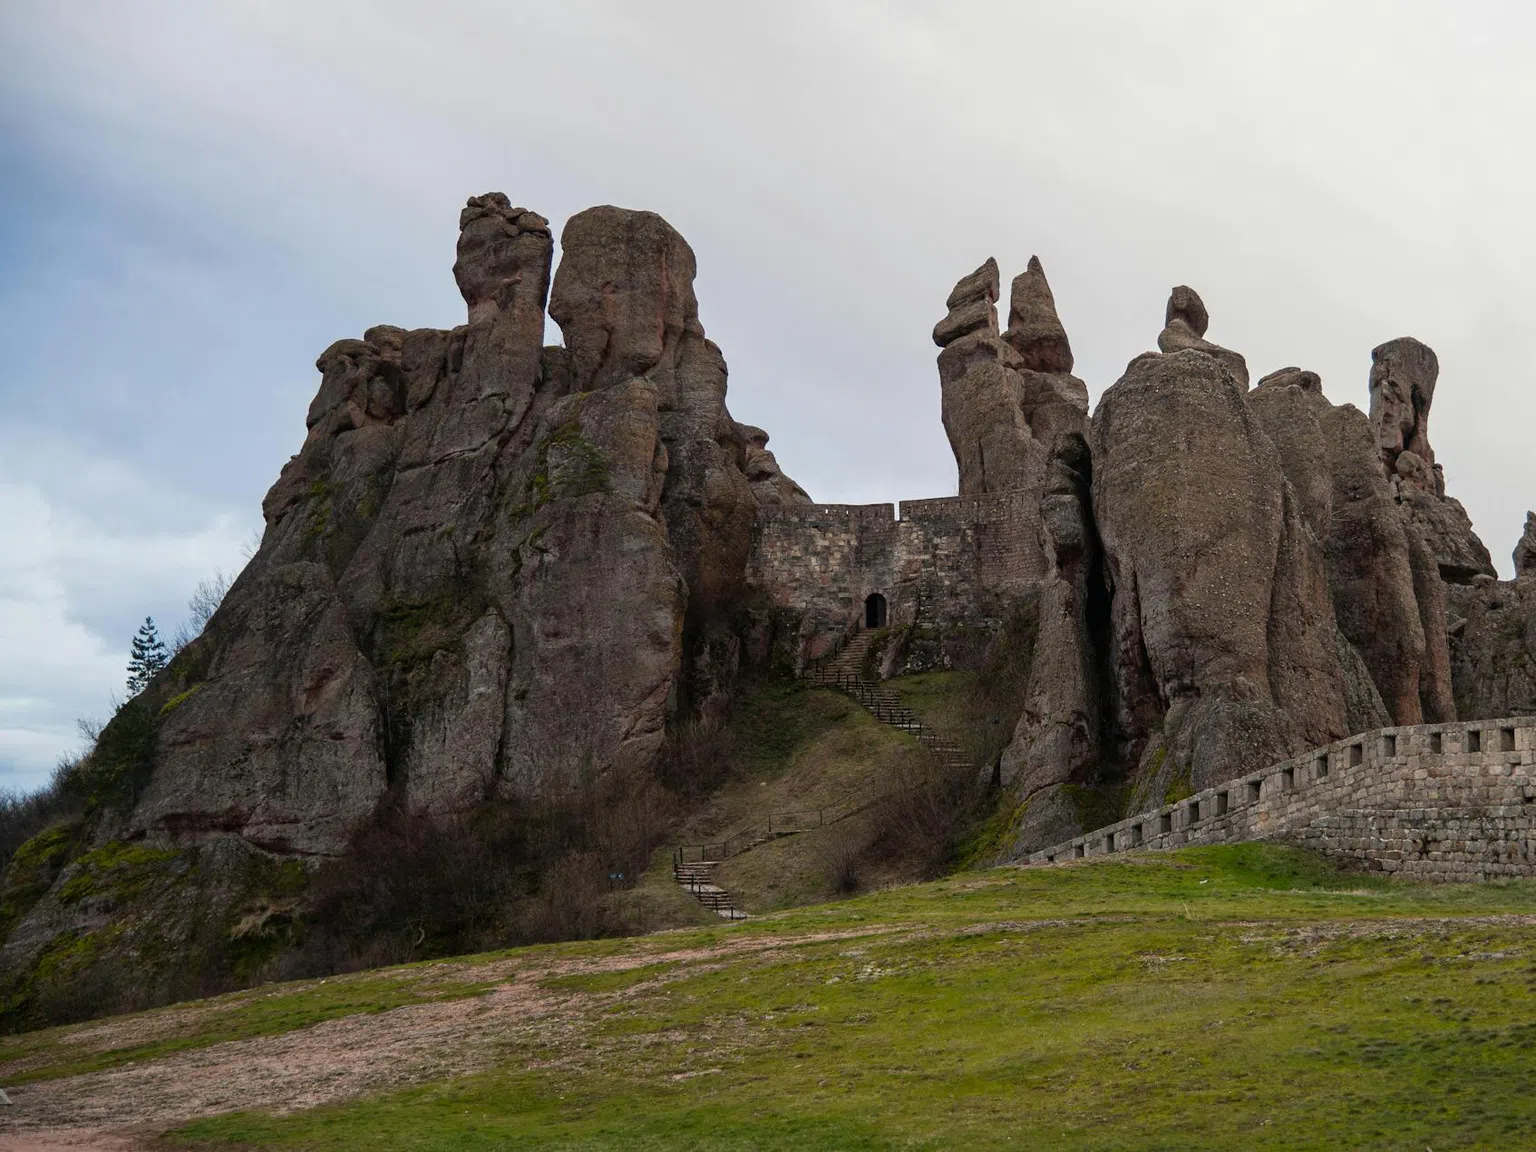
845, 671
699, 879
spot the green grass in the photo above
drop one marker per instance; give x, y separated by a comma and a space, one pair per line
1235, 997
797, 750
942, 699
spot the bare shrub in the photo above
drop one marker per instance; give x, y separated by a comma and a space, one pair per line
695, 758
509, 872
840, 853
24, 814
922, 815
205, 601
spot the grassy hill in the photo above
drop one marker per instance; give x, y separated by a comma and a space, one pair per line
1235, 997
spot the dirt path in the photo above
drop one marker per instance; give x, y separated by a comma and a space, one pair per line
122, 1109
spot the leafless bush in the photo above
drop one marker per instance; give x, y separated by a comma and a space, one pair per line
695, 758
204, 603
510, 872
24, 815
840, 852
921, 816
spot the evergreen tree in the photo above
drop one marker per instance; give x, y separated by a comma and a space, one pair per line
147, 657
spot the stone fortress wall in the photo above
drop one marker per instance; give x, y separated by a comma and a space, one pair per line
1432, 801
946, 562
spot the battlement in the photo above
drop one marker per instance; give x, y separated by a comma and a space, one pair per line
814, 514
1435, 801
949, 561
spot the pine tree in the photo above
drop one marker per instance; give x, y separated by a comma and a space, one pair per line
147, 657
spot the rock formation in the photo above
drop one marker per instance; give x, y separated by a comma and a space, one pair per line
1403, 376
1232, 576
769, 484
1525, 550
1375, 558
499, 571
1224, 648
1005, 396
494, 569
1052, 400
1185, 322
1493, 637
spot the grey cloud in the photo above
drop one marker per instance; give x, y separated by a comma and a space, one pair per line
1328, 175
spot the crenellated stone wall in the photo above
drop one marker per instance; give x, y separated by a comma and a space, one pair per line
1432, 801
954, 561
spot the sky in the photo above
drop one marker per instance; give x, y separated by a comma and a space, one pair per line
196, 199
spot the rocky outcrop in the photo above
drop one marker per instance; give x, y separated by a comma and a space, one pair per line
1525, 549
1493, 637
495, 570
1271, 580
493, 567
1403, 377
1236, 582
769, 484
994, 448
1493, 646
1006, 396
1057, 740
1328, 459
1185, 322
1034, 330
1224, 644
1036, 350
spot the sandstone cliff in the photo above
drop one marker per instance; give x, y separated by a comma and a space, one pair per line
1234, 575
495, 569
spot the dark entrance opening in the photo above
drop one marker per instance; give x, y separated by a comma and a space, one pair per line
874, 610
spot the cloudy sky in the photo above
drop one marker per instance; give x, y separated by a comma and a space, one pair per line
196, 198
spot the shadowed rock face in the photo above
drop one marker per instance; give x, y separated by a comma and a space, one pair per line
1224, 646
1057, 740
494, 565
1525, 550
1493, 637
1403, 377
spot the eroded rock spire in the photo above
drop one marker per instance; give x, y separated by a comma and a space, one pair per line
1184, 325
1403, 377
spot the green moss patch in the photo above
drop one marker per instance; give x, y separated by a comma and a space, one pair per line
33, 869
119, 870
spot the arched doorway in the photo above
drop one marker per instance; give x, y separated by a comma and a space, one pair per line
874, 610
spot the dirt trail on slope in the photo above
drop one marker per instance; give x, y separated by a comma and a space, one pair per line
122, 1109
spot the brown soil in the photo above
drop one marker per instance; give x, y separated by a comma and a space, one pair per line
122, 1109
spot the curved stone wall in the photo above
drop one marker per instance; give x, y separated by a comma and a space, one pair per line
1434, 801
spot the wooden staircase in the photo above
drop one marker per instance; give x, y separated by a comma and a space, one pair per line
699, 879
843, 671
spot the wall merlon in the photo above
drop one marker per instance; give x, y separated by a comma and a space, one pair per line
956, 561
1394, 797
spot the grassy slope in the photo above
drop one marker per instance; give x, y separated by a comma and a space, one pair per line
1235, 997
797, 750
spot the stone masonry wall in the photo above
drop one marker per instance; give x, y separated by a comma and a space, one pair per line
957, 560
1433, 801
